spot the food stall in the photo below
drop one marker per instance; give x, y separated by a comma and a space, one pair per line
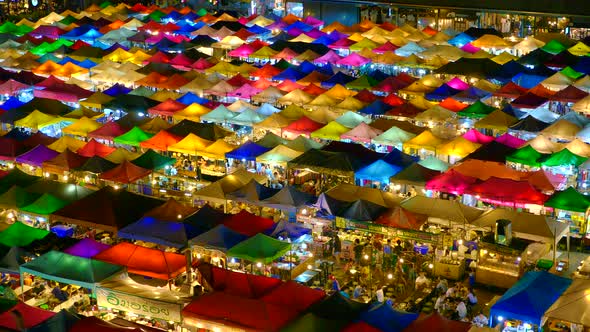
450, 266
499, 265
123, 297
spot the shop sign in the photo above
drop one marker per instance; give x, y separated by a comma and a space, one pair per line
379, 229
138, 305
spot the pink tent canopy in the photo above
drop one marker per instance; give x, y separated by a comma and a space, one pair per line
469, 48
362, 133
458, 84
476, 137
245, 91
354, 60
11, 87
387, 47
243, 51
342, 44
167, 108
314, 22
315, 33
31, 317
450, 182
511, 141
330, 57
181, 60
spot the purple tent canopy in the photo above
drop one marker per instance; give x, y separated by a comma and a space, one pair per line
87, 248
457, 84
277, 25
294, 32
314, 22
330, 57
37, 156
315, 33
469, 48
528, 100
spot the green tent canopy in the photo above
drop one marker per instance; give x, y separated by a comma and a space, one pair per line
312, 322
361, 83
21, 235
526, 155
16, 177
142, 91
68, 269
569, 200
553, 47
156, 15
153, 160
11, 28
571, 73
68, 20
202, 12
17, 197
105, 4
476, 110
352, 119
434, 163
133, 137
260, 248
45, 205
563, 158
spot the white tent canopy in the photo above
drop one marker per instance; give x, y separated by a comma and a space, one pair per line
572, 305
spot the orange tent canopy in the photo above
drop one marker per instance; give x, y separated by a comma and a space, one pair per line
161, 141
144, 261
126, 172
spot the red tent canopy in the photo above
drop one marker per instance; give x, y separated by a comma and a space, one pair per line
266, 71
247, 223
450, 182
399, 217
238, 284
108, 132
507, 192
510, 90
145, 261
238, 80
126, 172
366, 96
159, 57
303, 126
437, 323
31, 316
571, 94
94, 324
94, 148
294, 296
240, 312
167, 108
393, 100
161, 141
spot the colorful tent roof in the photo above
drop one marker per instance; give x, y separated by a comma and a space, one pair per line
260, 248
143, 261
126, 173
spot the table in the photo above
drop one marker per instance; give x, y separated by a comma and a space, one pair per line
306, 277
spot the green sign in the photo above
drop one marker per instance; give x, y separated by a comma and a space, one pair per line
379, 229
138, 305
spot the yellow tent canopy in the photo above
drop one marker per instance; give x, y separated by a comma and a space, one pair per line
192, 112
504, 57
323, 100
332, 131
274, 121
426, 140
190, 145
81, 127
340, 92
297, 97
458, 147
542, 144
580, 49
66, 142
155, 125
293, 112
217, 150
436, 114
37, 120
120, 155
578, 147
280, 154
497, 120
323, 115
490, 41
96, 100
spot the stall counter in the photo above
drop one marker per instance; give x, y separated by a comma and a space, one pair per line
453, 271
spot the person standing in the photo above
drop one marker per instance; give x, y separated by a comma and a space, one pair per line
387, 253
337, 248
358, 251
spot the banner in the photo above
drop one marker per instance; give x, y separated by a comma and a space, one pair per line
138, 305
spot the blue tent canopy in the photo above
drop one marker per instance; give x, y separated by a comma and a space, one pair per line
398, 158
472, 94
583, 65
12, 103
247, 151
530, 297
76, 32
338, 78
306, 67
387, 319
299, 25
219, 238
257, 29
378, 75
116, 90
508, 71
376, 108
442, 92
289, 74
528, 81
292, 230
191, 98
167, 233
324, 40
378, 171
460, 40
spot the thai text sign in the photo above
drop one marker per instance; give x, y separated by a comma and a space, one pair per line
138, 305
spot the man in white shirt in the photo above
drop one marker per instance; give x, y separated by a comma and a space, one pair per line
461, 310
480, 320
471, 297
450, 292
439, 303
422, 281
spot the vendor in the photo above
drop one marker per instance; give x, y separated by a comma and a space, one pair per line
422, 281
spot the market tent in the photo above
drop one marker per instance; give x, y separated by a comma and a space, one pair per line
218, 238
106, 209
247, 151
21, 235
32, 317
387, 319
260, 248
153, 160
288, 198
393, 136
350, 193
217, 191
563, 158
81, 127
74, 270
569, 200
108, 131
86, 248
278, 155
571, 305
247, 223
64, 162
525, 225
507, 192
526, 155
399, 217
190, 145
126, 172
426, 140
44, 205
379, 171
441, 208
450, 182
331, 131
66, 143
497, 120
415, 175
458, 147
144, 261
133, 137
37, 120
494, 151
172, 233
95, 324
437, 323
530, 297
17, 197
16, 177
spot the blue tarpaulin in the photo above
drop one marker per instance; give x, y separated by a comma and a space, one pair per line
191, 98
167, 233
219, 238
338, 78
288, 229
528, 81
379, 171
289, 74
376, 108
529, 298
442, 92
460, 40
